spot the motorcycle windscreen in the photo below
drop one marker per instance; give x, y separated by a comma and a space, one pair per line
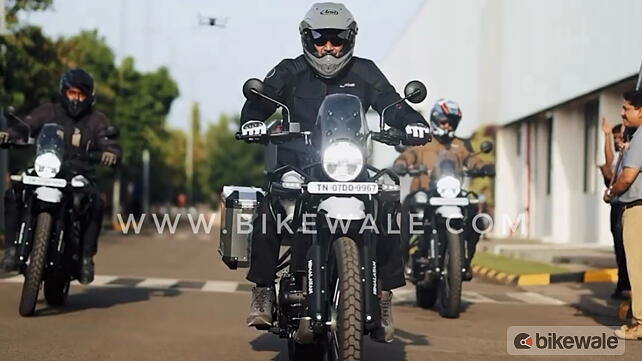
51, 140
341, 117
341, 135
448, 164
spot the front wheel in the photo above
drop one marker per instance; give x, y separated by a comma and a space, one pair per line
450, 282
347, 327
33, 274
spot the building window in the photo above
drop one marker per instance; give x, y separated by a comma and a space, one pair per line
591, 114
549, 154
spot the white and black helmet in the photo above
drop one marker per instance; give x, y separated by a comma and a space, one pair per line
328, 22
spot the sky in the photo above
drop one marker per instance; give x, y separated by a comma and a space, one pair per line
210, 64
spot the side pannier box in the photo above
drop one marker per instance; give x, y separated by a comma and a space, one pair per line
238, 208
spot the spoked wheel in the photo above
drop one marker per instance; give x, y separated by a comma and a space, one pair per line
56, 288
33, 274
450, 283
345, 337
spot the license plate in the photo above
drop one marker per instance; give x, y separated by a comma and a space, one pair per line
343, 188
47, 182
436, 201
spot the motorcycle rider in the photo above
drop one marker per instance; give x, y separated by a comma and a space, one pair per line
445, 117
327, 66
85, 131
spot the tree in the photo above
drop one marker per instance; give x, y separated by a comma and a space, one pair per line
484, 186
228, 161
29, 69
12, 7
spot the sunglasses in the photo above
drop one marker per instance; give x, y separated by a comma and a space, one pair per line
322, 37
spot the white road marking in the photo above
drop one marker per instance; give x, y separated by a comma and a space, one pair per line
157, 283
14, 279
535, 298
475, 297
403, 295
220, 286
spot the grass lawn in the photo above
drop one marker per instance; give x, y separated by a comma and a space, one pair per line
513, 265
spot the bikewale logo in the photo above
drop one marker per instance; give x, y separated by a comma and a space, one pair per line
523, 341
563, 340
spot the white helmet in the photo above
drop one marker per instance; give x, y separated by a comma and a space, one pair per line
328, 22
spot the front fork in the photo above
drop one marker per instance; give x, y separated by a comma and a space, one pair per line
318, 292
435, 246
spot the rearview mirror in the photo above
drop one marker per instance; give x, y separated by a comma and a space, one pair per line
251, 86
487, 147
415, 91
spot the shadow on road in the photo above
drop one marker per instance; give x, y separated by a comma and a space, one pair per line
599, 305
104, 297
373, 351
412, 303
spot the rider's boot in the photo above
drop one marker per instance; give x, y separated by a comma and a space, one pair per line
260, 315
87, 270
386, 333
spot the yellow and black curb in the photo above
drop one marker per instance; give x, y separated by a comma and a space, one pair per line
536, 279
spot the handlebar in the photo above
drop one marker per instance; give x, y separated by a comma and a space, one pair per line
273, 138
394, 136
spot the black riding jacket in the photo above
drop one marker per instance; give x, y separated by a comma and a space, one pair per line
294, 83
85, 134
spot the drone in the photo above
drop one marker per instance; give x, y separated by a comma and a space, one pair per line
212, 21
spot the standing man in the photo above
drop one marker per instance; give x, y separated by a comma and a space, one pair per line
628, 187
608, 170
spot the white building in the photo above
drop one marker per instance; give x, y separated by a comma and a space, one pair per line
546, 71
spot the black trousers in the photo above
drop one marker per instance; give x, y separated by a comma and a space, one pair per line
266, 243
623, 282
92, 225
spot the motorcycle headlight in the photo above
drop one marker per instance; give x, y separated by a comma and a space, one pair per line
421, 198
449, 187
47, 165
343, 161
292, 180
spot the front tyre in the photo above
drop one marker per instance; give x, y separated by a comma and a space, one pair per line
346, 337
33, 274
450, 283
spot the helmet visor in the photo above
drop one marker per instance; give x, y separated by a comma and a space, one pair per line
336, 37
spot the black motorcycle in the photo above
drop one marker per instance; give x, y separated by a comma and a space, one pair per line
53, 215
437, 226
328, 284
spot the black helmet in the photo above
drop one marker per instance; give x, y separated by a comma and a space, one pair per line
77, 78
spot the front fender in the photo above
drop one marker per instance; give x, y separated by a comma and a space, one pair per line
343, 208
450, 212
